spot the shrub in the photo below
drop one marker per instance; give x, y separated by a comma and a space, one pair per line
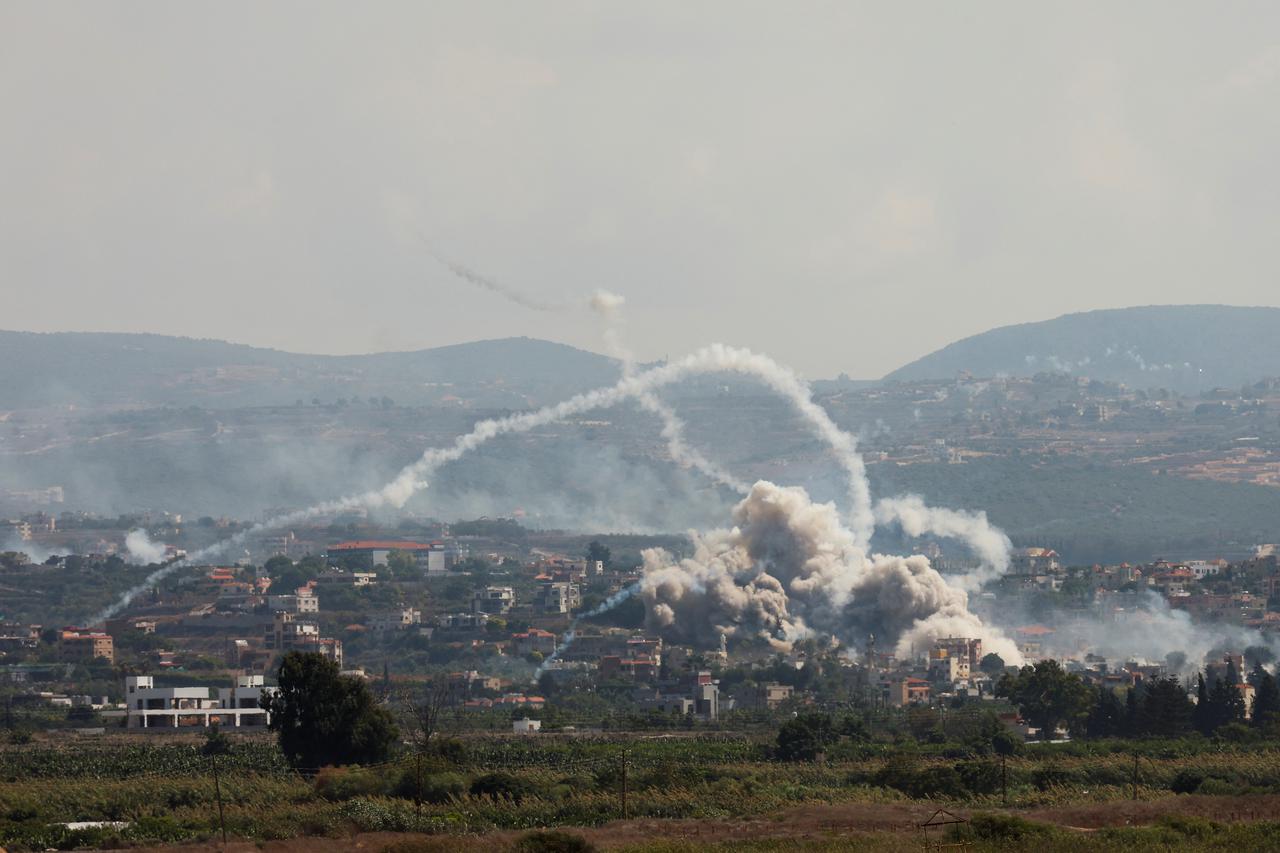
979, 777
552, 841
344, 783
502, 786
999, 828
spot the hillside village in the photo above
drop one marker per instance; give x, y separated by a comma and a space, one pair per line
493, 619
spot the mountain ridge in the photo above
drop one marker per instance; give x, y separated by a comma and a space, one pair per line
1185, 348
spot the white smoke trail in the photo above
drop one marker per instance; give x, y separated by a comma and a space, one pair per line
492, 285
710, 359
569, 636
142, 550
715, 358
609, 307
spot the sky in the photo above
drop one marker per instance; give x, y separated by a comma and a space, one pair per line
845, 186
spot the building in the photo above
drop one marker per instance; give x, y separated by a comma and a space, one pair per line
773, 694
348, 578
462, 621
494, 600
148, 706
558, 597
907, 691
1031, 562
635, 669
533, 640
376, 551
943, 668
526, 726
286, 634
78, 645
396, 620
301, 600
698, 697
969, 650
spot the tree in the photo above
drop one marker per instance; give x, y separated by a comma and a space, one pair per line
597, 551
1223, 704
1203, 716
992, 664
402, 565
324, 718
1266, 698
802, 738
1107, 719
1166, 711
1047, 696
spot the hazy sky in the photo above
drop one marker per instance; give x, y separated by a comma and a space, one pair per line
844, 186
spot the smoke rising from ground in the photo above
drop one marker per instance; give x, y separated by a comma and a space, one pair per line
789, 570
803, 553
142, 551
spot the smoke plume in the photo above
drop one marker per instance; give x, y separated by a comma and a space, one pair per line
142, 551
988, 543
950, 603
789, 570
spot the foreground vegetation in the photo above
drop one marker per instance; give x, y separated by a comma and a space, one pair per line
167, 792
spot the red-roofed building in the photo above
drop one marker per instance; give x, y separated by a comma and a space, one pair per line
533, 640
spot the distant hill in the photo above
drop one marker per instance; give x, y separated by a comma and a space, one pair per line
1186, 348
59, 368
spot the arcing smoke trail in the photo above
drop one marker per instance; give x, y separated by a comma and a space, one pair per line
715, 358
489, 284
916, 519
609, 307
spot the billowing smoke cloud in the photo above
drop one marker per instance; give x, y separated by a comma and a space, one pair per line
492, 285
142, 550
789, 570
1149, 628
988, 543
714, 358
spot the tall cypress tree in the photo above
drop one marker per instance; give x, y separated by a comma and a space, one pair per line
1203, 716
1266, 699
1225, 701
1107, 717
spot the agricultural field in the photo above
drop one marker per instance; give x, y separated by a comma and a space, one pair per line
651, 793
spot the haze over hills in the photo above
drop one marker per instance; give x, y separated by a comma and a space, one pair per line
1184, 348
111, 368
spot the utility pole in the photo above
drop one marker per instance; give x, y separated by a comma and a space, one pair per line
216, 744
1135, 776
217, 788
1004, 779
417, 786
624, 785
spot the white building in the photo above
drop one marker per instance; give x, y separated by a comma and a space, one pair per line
148, 706
558, 597
396, 620
526, 726
304, 600
494, 600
